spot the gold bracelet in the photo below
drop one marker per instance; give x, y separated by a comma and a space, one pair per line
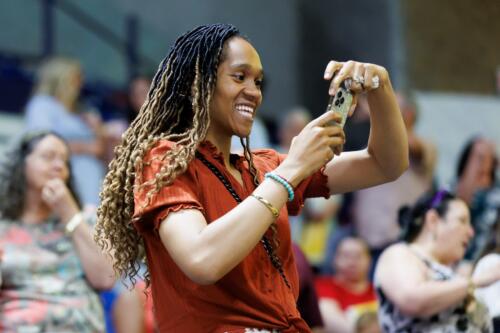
471, 287
269, 206
73, 223
470, 300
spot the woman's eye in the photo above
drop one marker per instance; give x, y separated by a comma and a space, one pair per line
239, 77
258, 83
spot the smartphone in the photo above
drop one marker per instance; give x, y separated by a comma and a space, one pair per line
341, 103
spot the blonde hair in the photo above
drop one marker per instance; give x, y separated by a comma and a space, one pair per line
54, 79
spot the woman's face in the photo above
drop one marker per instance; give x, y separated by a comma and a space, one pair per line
352, 260
453, 233
237, 93
481, 163
48, 160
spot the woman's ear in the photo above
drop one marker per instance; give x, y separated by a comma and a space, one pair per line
432, 220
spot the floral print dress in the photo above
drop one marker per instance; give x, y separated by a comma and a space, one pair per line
43, 283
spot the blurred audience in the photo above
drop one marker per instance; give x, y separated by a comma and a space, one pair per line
293, 122
346, 295
375, 209
488, 260
415, 282
138, 90
55, 106
476, 185
127, 311
319, 224
137, 93
51, 265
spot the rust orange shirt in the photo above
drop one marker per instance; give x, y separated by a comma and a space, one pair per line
253, 294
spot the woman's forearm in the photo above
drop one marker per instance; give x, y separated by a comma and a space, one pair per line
388, 141
432, 297
97, 267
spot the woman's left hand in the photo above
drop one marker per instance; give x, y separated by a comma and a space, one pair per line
57, 196
363, 77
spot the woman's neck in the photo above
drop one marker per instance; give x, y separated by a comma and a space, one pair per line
426, 250
223, 144
35, 210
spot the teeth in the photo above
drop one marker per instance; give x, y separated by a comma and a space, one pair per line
244, 108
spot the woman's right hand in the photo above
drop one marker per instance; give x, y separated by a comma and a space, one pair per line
58, 197
315, 146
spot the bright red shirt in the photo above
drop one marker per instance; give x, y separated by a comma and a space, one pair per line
253, 294
353, 304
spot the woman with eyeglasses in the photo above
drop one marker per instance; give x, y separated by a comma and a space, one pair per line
415, 282
49, 264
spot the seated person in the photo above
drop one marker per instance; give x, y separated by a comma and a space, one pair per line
347, 294
415, 281
51, 267
488, 260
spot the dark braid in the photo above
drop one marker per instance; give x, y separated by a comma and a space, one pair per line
245, 143
176, 109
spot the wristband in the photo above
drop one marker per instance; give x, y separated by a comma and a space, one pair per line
283, 182
73, 223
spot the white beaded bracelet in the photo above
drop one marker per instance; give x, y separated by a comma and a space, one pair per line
73, 223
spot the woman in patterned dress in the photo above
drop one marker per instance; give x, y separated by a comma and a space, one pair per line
415, 282
51, 265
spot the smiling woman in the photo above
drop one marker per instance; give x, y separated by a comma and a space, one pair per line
214, 225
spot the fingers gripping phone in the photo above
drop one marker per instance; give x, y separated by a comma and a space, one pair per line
341, 103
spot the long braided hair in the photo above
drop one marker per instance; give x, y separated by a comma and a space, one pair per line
177, 110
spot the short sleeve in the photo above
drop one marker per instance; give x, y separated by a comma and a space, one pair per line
313, 186
181, 194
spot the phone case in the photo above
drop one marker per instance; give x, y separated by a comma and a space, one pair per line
341, 103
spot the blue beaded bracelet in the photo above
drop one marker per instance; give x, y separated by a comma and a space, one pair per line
283, 182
